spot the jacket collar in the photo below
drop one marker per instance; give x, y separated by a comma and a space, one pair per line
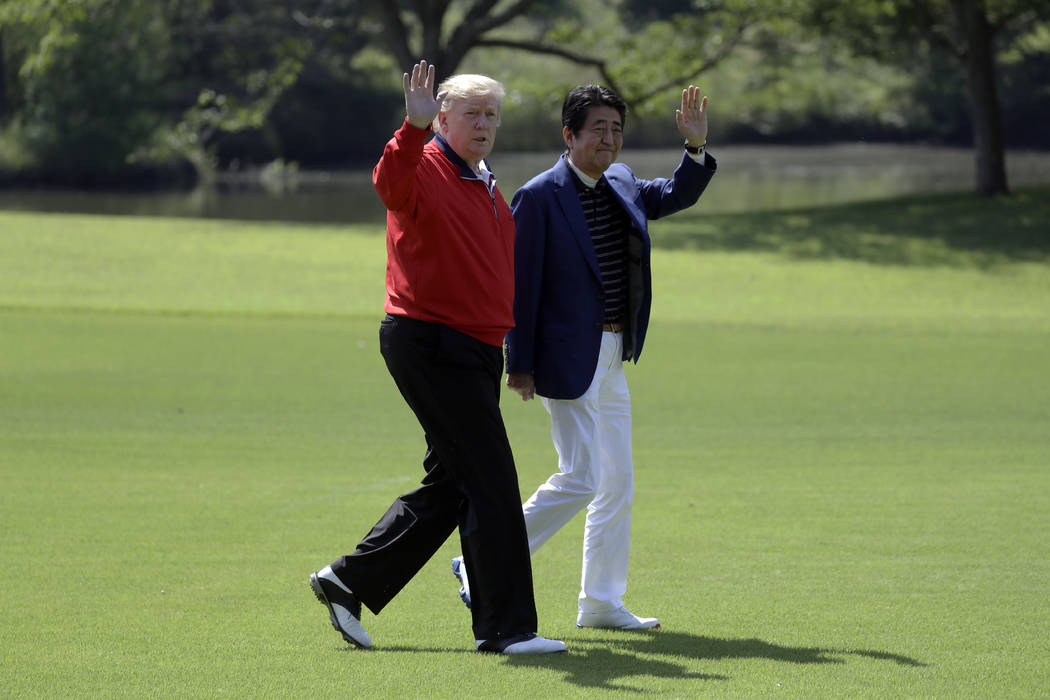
563, 175
569, 201
464, 170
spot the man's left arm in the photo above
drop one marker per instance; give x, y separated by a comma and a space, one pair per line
529, 252
667, 196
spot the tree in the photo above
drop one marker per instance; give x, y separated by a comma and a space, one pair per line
669, 47
89, 84
20, 25
352, 48
3, 81
104, 84
966, 30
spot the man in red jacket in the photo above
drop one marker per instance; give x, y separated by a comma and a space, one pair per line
449, 304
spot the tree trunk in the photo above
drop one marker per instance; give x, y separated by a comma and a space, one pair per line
979, 64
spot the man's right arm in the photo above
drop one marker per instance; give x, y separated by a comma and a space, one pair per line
394, 175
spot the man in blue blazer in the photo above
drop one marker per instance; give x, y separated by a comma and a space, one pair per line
581, 309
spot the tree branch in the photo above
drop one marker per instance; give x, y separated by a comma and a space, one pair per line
501, 18
632, 100
397, 35
703, 65
478, 21
541, 48
479, 10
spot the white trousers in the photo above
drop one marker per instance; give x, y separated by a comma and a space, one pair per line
592, 435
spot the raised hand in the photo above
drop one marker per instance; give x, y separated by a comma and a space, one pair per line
420, 105
692, 117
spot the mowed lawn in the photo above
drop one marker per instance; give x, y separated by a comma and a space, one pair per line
842, 445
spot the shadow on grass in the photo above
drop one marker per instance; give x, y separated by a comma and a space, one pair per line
952, 229
603, 662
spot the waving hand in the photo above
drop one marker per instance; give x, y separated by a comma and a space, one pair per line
692, 117
420, 104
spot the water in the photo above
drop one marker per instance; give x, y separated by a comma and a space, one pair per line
749, 178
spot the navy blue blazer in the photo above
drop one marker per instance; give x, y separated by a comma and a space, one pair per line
558, 296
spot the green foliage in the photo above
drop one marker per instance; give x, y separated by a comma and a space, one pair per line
966, 39
338, 111
1025, 83
91, 85
645, 61
97, 85
792, 86
194, 136
892, 29
783, 81
775, 86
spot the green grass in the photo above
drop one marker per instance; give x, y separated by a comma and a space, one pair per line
842, 464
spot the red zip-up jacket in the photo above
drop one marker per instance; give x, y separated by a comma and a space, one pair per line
449, 242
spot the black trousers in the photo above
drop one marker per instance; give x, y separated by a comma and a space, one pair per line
452, 382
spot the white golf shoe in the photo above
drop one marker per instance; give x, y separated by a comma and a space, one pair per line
522, 644
344, 610
618, 619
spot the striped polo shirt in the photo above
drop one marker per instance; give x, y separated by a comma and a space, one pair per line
608, 224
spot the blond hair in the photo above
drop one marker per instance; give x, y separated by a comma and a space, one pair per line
466, 86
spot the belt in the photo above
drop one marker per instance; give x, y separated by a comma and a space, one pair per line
612, 327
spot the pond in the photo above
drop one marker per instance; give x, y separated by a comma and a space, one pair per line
749, 178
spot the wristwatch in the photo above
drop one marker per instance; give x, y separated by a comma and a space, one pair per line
695, 150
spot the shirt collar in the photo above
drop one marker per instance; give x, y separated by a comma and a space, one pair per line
588, 181
464, 170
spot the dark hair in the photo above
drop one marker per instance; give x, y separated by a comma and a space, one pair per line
580, 100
